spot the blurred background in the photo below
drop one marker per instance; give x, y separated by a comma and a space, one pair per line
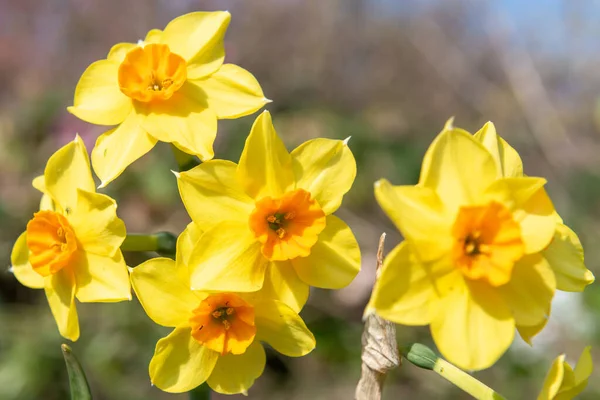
389, 73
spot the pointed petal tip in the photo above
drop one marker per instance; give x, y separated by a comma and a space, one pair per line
11, 269
177, 174
130, 269
267, 101
102, 185
346, 140
449, 124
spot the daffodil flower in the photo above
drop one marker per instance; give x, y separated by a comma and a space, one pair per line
564, 382
217, 336
170, 87
475, 262
268, 220
71, 246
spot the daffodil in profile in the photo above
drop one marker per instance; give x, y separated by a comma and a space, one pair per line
565, 383
477, 259
217, 336
268, 220
170, 87
71, 246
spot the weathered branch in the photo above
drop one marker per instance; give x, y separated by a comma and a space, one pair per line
379, 349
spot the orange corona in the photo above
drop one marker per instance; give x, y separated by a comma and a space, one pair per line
287, 226
224, 323
488, 243
51, 241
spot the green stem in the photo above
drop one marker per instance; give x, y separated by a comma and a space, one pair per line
423, 357
80, 390
163, 243
202, 392
185, 161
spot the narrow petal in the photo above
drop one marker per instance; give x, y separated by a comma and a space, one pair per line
530, 290
406, 291
473, 326
67, 170
531, 208
282, 328
98, 98
118, 52
418, 212
96, 225
23, 271
565, 255
183, 121
211, 194
235, 374
198, 38
232, 92
180, 363
227, 258
102, 278
118, 148
553, 379
584, 366
185, 244
448, 168
508, 161
334, 261
326, 168
60, 291
265, 167
282, 283
164, 292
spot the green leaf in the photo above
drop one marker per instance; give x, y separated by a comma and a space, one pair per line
80, 389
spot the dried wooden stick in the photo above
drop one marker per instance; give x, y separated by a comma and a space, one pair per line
379, 349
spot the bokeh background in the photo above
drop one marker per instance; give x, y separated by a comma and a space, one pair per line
386, 72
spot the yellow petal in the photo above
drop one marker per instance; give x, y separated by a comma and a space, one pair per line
585, 366
553, 379
283, 329
578, 379
232, 92
46, 202
227, 258
185, 244
334, 260
198, 38
180, 363
448, 168
102, 278
183, 121
265, 167
508, 161
405, 290
67, 170
419, 214
153, 36
164, 292
118, 52
531, 208
326, 168
565, 255
211, 194
527, 333
118, 148
23, 271
236, 373
60, 291
96, 225
473, 326
530, 290
98, 98
282, 283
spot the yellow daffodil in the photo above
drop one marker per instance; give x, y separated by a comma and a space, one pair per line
475, 262
268, 220
564, 382
217, 335
170, 87
71, 246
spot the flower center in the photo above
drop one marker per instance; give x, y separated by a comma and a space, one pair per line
151, 73
488, 243
287, 226
51, 241
224, 323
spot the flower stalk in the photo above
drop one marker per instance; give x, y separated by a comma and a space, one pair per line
162, 242
184, 160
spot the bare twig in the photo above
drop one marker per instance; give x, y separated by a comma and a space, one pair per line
379, 349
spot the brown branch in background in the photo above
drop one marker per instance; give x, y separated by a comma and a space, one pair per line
379, 349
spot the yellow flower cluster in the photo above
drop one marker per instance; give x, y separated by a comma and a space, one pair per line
483, 253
